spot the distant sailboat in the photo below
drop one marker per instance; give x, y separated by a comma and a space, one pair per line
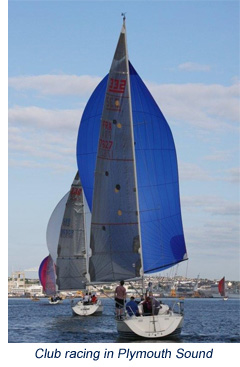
222, 289
47, 277
127, 160
67, 225
54, 227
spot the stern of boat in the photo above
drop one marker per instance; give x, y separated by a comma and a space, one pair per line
82, 309
166, 324
151, 327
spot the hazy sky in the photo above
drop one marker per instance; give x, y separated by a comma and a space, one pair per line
187, 53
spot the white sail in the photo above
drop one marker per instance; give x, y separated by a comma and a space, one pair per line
54, 227
72, 251
115, 235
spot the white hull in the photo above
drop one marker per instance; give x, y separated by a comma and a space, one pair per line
165, 324
55, 302
151, 327
87, 310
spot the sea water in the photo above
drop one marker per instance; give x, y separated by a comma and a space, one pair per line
205, 321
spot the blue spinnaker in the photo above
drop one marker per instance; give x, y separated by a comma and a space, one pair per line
163, 243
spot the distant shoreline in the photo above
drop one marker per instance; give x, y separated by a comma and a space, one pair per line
162, 297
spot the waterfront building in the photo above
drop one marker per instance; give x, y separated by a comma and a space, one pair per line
18, 286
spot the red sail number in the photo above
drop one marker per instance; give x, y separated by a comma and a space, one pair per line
76, 191
105, 144
107, 125
117, 85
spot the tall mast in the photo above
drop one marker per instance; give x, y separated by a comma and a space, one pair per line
115, 230
133, 152
124, 17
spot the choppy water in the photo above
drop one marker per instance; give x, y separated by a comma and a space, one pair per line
205, 321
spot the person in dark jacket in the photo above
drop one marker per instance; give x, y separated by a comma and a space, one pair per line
132, 307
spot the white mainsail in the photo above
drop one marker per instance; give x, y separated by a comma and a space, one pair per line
54, 227
72, 262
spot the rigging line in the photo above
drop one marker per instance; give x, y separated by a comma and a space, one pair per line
135, 289
186, 270
101, 291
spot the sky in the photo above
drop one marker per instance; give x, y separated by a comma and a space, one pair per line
187, 53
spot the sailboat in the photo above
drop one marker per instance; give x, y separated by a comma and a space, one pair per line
127, 161
47, 277
222, 289
72, 250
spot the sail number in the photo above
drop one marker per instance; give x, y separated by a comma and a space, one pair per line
66, 222
105, 144
66, 233
105, 141
107, 125
75, 191
117, 85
